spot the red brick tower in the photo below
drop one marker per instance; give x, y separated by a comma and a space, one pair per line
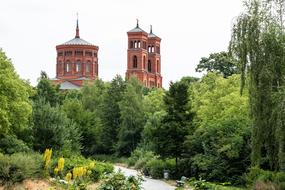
144, 60
77, 61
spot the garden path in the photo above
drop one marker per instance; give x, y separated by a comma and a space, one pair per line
148, 183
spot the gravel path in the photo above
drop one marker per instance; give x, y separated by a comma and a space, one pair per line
148, 184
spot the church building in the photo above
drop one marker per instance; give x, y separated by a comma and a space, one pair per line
144, 60
76, 63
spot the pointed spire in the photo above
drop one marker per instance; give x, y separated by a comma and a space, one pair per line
150, 29
137, 23
77, 28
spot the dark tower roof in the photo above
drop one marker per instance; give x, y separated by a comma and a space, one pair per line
77, 40
77, 29
137, 28
152, 35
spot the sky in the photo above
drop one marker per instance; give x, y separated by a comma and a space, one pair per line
190, 29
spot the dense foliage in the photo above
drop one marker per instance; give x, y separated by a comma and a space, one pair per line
258, 42
222, 63
219, 147
203, 128
15, 106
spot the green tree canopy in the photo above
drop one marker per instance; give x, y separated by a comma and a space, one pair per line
222, 63
47, 91
258, 43
219, 147
132, 118
111, 116
15, 106
171, 134
52, 129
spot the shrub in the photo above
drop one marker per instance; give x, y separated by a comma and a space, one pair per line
19, 166
135, 156
140, 157
10, 144
100, 169
259, 179
140, 164
170, 165
155, 168
145, 157
96, 171
118, 181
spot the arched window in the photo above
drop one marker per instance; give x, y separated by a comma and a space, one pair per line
131, 44
149, 49
144, 63
78, 66
139, 44
67, 66
135, 44
135, 62
149, 66
152, 49
157, 66
87, 67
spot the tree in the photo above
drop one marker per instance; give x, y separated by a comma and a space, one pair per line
171, 134
258, 43
15, 106
88, 122
132, 118
93, 95
154, 110
111, 117
222, 63
219, 146
153, 102
91, 119
52, 129
47, 91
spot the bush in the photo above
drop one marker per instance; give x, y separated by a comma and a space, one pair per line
155, 168
118, 181
96, 172
100, 169
135, 156
19, 166
145, 157
10, 144
259, 179
140, 157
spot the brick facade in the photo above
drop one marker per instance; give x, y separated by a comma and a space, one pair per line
76, 62
144, 60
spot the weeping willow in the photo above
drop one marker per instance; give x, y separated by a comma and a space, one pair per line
258, 42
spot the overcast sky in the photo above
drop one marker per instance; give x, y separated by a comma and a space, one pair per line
190, 29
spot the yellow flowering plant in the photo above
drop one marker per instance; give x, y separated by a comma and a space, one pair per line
68, 176
56, 170
47, 157
79, 172
60, 164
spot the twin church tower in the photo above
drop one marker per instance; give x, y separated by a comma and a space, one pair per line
77, 60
